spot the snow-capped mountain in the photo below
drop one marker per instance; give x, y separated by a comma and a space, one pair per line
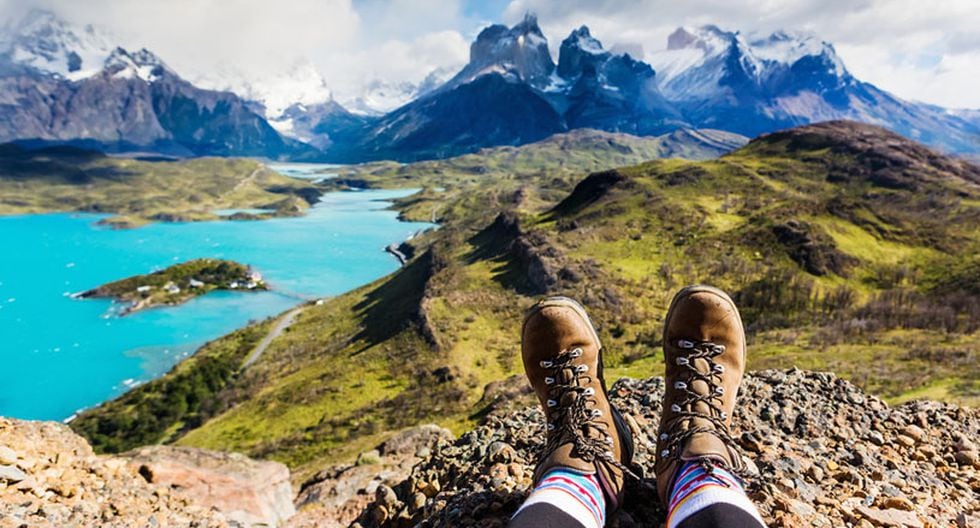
708, 62
595, 88
756, 84
380, 96
67, 85
299, 84
511, 92
45, 43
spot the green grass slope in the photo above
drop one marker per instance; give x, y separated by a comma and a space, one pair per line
847, 247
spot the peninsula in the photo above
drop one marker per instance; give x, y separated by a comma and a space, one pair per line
178, 284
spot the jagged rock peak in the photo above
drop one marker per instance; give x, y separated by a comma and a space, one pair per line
580, 50
520, 52
142, 64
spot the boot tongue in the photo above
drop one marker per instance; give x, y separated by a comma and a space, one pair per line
706, 445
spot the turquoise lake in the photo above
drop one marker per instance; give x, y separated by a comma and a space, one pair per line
61, 354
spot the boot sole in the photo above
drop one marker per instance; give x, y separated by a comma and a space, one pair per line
702, 288
625, 434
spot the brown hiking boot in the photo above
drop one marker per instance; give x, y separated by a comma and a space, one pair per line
704, 349
563, 362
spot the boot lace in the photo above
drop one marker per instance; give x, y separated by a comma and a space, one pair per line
572, 417
685, 408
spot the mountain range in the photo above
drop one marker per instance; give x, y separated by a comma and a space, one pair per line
65, 84
62, 85
512, 92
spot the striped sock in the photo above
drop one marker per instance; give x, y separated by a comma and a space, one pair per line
574, 493
696, 489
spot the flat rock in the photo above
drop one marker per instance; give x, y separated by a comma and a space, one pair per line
890, 517
249, 492
11, 474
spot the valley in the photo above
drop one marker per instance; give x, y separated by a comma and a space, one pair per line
136, 192
268, 265
848, 248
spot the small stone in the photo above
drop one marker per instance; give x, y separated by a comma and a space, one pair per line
964, 444
431, 489
501, 452
914, 432
832, 466
11, 474
7, 456
967, 521
418, 501
816, 473
876, 438
966, 458
386, 496
899, 503
906, 441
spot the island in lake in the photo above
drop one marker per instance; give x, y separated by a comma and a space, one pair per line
179, 283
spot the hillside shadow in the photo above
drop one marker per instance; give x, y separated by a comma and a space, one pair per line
495, 244
395, 304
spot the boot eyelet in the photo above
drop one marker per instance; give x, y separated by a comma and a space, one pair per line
596, 413
551, 427
680, 385
581, 369
546, 364
609, 441
675, 408
719, 349
609, 454
576, 352
719, 390
549, 380
720, 369
724, 415
552, 403
664, 454
682, 361
664, 436
589, 392
684, 343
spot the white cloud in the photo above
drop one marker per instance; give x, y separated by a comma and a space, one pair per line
351, 44
927, 51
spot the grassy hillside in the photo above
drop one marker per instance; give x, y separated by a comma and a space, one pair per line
848, 248
69, 179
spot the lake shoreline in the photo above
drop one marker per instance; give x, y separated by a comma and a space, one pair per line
88, 353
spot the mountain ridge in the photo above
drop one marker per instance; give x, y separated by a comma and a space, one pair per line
706, 78
119, 100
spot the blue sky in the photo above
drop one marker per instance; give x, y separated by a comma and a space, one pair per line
927, 51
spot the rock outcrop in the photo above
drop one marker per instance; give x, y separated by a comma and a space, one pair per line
248, 492
823, 454
336, 496
50, 477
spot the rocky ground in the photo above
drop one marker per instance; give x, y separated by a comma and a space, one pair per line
49, 477
824, 454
